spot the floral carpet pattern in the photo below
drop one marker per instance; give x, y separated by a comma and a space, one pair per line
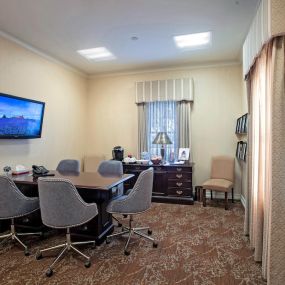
197, 245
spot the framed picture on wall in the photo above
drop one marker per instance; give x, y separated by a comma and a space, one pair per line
237, 126
237, 149
244, 149
241, 150
183, 154
246, 123
241, 125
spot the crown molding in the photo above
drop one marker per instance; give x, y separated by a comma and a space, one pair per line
112, 74
41, 53
173, 68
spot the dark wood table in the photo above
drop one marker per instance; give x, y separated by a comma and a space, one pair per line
92, 187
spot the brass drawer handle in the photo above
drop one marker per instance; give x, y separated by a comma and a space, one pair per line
179, 184
179, 176
179, 192
158, 168
137, 168
179, 169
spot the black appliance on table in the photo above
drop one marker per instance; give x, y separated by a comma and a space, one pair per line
118, 153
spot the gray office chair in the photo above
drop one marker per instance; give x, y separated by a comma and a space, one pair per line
14, 204
113, 168
62, 207
136, 202
68, 165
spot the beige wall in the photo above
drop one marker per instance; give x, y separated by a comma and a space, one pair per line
112, 114
25, 74
76, 124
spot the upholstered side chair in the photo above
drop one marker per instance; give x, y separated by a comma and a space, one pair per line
14, 204
136, 202
222, 178
63, 208
68, 165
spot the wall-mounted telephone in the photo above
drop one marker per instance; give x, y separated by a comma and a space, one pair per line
39, 170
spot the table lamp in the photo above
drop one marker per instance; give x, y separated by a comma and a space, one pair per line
162, 138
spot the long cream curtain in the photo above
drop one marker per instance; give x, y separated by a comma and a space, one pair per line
276, 258
264, 128
142, 127
183, 120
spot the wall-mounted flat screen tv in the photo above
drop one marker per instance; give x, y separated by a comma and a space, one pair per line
20, 118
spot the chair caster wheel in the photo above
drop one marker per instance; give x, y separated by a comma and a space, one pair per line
39, 256
42, 236
93, 246
125, 216
49, 272
149, 232
155, 244
107, 241
126, 252
26, 252
87, 264
120, 225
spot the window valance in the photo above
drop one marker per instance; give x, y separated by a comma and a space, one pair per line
165, 90
258, 35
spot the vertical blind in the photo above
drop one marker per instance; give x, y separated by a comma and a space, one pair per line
162, 117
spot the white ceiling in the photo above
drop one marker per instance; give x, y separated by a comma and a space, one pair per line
61, 27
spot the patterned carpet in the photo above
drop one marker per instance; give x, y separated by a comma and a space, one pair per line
196, 246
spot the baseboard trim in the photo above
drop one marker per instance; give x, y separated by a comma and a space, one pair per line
243, 201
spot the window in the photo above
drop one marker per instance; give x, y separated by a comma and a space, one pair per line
162, 117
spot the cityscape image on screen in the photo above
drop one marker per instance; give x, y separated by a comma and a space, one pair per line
20, 117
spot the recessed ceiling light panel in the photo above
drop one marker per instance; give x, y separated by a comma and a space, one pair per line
97, 54
193, 41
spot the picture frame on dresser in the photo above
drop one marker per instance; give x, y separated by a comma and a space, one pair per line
184, 154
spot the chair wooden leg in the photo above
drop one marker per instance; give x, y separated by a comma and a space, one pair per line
233, 200
226, 201
211, 195
204, 197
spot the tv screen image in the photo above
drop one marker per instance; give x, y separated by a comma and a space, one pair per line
20, 117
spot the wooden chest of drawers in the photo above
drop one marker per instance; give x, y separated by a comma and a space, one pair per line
171, 184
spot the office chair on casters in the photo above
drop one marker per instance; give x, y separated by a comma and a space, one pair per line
113, 168
14, 204
136, 202
68, 165
63, 208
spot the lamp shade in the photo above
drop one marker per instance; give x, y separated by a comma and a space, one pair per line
162, 138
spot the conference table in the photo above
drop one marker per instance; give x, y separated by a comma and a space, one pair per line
92, 187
